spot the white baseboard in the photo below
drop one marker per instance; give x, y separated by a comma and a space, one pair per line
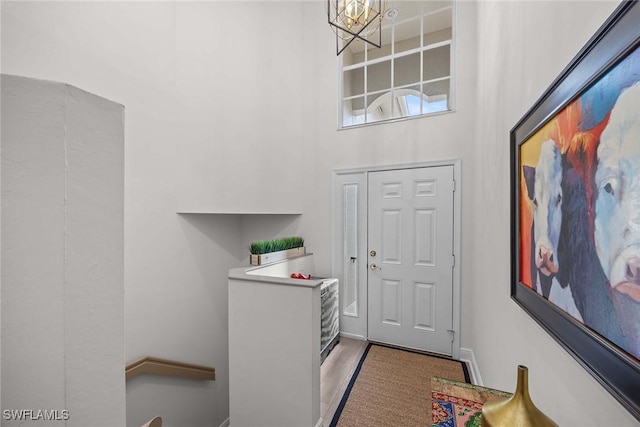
466, 355
352, 336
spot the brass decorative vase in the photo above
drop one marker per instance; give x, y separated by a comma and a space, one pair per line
516, 411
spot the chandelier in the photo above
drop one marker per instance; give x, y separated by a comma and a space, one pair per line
355, 19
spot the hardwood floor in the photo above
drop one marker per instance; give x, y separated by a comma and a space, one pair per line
335, 373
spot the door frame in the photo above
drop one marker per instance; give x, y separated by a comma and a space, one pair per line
358, 325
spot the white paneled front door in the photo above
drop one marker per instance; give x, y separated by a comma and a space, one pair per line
410, 258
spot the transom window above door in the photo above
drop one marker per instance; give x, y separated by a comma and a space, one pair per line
410, 75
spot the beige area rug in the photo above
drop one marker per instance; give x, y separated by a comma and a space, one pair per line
392, 387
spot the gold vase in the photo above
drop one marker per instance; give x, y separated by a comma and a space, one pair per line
516, 411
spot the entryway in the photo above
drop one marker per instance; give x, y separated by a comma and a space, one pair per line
397, 236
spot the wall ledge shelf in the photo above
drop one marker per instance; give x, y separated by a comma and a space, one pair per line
197, 212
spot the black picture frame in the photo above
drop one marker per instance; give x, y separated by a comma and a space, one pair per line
616, 369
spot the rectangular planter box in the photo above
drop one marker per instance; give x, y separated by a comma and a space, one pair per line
276, 256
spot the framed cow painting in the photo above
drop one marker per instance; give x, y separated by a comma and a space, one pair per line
575, 205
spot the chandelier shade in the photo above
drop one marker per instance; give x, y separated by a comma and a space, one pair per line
354, 20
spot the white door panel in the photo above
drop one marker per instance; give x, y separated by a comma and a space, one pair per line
410, 276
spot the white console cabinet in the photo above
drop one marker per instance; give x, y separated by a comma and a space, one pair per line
274, 346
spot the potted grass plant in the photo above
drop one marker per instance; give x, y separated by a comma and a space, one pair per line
267, 251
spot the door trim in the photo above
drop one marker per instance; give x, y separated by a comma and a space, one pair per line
336, 267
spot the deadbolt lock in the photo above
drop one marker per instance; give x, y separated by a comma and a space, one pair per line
372, 253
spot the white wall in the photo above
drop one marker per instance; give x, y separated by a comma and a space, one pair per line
63, 254
241, 117
212, 114
0, 237
522, 47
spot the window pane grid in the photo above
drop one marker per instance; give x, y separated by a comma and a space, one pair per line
398, 55
402, 80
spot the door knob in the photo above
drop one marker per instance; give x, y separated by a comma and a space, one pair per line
373, 267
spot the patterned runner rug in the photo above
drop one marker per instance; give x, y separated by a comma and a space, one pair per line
456, 404
392, 387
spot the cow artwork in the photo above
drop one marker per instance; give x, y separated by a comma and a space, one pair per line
575, 205
544, 189
617, 211
580, 207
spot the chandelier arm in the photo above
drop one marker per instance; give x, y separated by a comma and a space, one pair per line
378, 17
347, 44
339, 51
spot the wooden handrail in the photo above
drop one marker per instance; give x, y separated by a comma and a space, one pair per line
154, 365
155, 422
